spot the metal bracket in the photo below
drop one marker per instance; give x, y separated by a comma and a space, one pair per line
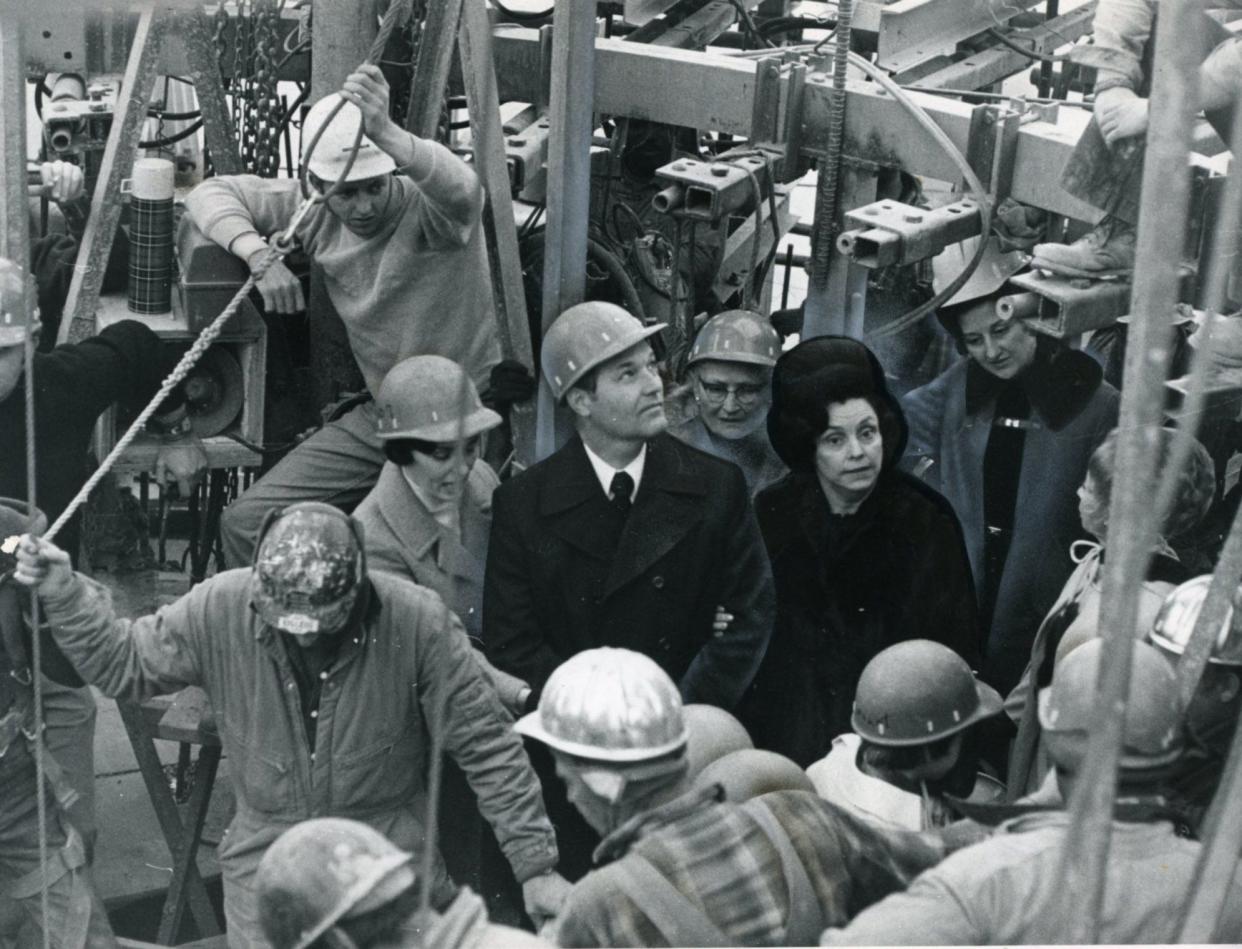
992, 145
526, 154
889, 232
708, 191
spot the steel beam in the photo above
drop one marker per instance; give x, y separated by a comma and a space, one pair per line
716, 92
982, 69
914, 31
475, 44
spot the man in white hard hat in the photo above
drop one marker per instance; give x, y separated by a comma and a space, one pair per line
1010, 888
730, 375
402, 250
689, 868
623, 537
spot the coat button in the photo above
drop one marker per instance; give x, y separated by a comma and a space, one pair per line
657, 582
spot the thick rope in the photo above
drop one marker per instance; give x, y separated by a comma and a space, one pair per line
276, 251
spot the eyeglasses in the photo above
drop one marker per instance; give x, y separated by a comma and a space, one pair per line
745, 393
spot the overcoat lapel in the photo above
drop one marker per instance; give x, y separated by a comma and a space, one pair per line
572, 504
668, 505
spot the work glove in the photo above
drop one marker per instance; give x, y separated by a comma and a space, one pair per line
510, 382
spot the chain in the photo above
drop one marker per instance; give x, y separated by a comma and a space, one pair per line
263, 98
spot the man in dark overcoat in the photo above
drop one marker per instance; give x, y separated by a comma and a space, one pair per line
625, 536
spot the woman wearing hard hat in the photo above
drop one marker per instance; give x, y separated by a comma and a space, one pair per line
428, 519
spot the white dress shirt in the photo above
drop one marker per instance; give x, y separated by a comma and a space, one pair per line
606, 472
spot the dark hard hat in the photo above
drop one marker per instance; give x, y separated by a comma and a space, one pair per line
917, 692
321, 871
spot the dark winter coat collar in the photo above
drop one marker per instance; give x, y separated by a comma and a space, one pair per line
669, 503
1059, 383
795, 511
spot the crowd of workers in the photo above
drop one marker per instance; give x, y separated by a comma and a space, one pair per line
815, 663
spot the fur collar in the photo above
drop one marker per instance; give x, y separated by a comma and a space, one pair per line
1059, 383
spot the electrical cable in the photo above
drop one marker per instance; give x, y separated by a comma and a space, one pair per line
749, 25
522, 16
165, 141
1033, 54
780, 25
996, 96
982, 198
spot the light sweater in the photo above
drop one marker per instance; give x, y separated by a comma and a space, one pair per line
419, 285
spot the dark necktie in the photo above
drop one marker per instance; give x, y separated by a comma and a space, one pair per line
622, 492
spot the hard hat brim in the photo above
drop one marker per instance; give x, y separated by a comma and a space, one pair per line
751, 359
480, 420
1060, 741
613, 349
990, 704
993, 272
530, 725
367, 165
354, 897
1175, 649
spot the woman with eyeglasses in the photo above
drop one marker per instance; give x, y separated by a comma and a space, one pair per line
864, 556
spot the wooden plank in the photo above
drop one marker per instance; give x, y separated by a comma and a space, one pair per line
117, 163
1218, 861
475, 44
204, 68
569, 180
185, 851
14, 210
431, 70
152, 769
1132, 530
340, 41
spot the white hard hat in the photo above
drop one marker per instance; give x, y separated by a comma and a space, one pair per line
737, 336
585, 336
333, 149
609, 705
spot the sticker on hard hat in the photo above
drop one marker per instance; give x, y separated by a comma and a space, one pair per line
299, 624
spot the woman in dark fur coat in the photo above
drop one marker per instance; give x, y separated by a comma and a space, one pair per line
864, 555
